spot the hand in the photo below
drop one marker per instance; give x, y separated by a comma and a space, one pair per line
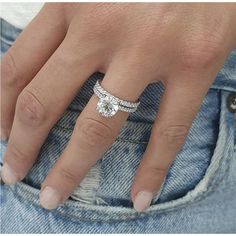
182, 45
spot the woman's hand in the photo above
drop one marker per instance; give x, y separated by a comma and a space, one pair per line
182, 45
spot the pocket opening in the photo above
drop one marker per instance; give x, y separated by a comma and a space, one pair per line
85, 212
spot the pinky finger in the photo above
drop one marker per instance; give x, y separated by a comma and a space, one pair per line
168, 135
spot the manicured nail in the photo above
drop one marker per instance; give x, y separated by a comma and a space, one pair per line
49, 198
8, 175
142, 201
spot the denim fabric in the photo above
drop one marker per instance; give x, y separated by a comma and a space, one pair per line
198, 195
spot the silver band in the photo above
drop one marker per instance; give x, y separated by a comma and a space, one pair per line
108, 104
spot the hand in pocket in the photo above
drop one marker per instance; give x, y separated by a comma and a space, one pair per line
182, 45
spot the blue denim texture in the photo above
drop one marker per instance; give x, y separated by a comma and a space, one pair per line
199, 192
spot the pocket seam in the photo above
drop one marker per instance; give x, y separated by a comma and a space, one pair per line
117, 139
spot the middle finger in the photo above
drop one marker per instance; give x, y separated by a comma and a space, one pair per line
40, 105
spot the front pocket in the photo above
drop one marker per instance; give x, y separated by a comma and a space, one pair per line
77, 210
116, 170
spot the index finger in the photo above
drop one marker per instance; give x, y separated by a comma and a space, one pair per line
25, 58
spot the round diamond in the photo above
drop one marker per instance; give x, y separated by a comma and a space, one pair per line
107, 106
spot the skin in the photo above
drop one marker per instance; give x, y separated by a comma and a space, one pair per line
182, 45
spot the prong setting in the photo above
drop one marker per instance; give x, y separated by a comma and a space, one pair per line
108, 105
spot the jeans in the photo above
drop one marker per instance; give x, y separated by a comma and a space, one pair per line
197, 196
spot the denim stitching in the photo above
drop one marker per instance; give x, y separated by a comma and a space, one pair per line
117, 139
151, 214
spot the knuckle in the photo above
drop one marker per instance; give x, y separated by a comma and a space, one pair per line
18, 155
200, 54
49, 5
29, 109
92, 131
10, 74
57, 8
99, 17
174, 135
158, 171
68, 175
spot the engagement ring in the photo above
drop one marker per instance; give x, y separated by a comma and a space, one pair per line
108, 104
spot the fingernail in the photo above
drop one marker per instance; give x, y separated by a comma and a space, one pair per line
8, 175
49, 198
142, 201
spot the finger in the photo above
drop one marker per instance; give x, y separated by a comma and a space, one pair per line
92, 136
178, 108
40, 105
25, 58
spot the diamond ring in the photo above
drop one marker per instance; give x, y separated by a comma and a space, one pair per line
108, 104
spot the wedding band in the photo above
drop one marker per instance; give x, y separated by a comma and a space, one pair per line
108, 104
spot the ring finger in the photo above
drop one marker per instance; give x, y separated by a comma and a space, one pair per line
92, 136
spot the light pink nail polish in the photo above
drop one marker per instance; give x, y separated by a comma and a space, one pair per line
49, 198
8, 175
142, 201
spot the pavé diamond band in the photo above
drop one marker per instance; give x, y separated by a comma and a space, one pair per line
108, 104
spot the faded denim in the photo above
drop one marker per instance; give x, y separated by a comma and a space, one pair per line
198, 195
